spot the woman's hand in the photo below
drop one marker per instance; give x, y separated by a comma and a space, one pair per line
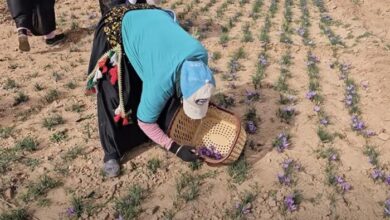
184, 152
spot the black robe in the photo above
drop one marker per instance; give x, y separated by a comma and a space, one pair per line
116, 139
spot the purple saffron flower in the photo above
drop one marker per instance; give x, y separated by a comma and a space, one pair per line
311, 94
357, 124
286, 163
281, 143
333, 157
324, 121
317, 108
387, 180
289, 203
345, 67
246, 209
301, 31
263, 60
232, 85
339, 180
120, 217
369, 133
252, 96
251, 127
284, 179
376, 174
345, 186
387, 207
210, 152
70, 212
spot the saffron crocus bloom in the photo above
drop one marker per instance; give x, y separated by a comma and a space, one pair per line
333, 157
301, 31
281, 142
252, 96
251, 127
387, 180
324, 121
263, 60
247, 208
369, 133
284, 179
357, 124
376, 174
387, 207
70, 212
345, 186
120, 217
210, 152
286, 163
311, 94
289, 203
317, 108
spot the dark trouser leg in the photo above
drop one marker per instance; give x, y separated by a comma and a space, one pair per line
44, 19
21, 12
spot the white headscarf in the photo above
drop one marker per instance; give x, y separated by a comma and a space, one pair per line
150, 2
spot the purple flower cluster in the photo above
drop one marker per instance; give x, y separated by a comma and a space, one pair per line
209, 152
290, 204
311, 95
326, 18
70, 212
377, 174
350, 94
289, 110
387, 208
263, 60
120, 217
312, 59
357, 124
301, 31
284, 179
317, 108
344, 68
333, 157
252, 96
251, 127
244, 208
324, 121
340, 181
281, 142
288, 166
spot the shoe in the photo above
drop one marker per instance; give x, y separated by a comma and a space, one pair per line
111, 168
24, 45
55, 40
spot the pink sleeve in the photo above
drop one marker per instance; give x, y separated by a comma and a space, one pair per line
154, 132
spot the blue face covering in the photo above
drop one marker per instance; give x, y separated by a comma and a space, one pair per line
194, 75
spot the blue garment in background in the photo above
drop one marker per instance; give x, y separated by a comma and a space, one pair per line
156, 47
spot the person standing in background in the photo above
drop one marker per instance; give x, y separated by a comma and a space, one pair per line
35, 17
105, 5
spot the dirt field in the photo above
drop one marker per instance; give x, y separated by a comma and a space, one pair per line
51, 158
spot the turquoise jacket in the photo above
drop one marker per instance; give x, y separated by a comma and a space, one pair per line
157, 46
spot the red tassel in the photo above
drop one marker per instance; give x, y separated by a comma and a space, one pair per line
102, 63
114, 75
104, 69
117, 118
125, 121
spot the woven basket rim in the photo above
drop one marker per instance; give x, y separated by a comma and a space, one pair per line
237, 123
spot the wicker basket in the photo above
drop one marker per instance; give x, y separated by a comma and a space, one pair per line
220, 129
